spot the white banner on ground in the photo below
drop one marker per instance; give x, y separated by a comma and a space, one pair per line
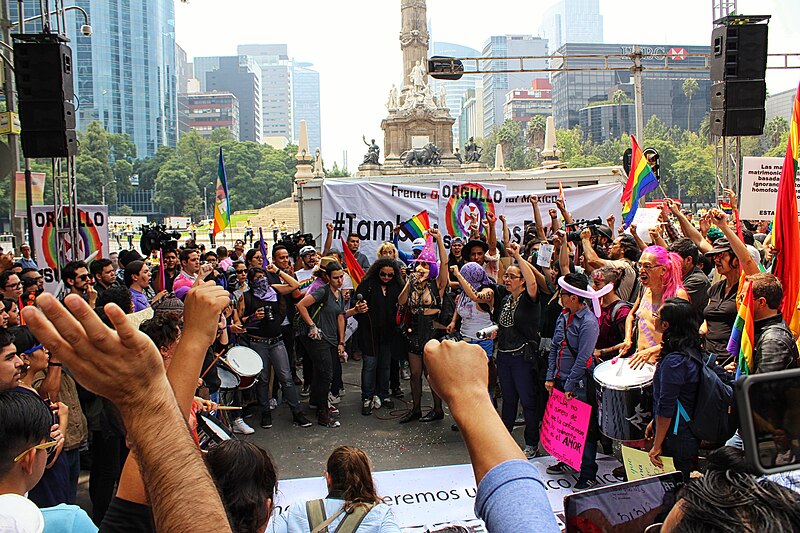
759, 192
92, 237
440, 495
372, 209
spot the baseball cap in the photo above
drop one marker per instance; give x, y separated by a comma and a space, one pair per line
721, 245
307, 250
418, 244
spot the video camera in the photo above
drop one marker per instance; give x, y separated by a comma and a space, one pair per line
294, 241
574, 235
156, 237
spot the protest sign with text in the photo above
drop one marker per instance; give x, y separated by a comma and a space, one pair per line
759, 192
564, 428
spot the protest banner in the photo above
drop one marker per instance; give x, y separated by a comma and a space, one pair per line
564, 428
37, 192
759, 191
637, 464
373, 209
92, 237
545, 255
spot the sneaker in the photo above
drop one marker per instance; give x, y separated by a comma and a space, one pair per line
388, 403
366, 407
405, 374
327, 421
273, 403
398, 393
241, 427
334, 399
376, 402
520, 421
300, 420
531, 452
584, 484
266, 420
559, 468
333, 411
305, 392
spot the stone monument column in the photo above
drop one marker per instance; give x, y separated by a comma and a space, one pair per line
413, 36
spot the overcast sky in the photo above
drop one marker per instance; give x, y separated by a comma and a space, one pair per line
354, 44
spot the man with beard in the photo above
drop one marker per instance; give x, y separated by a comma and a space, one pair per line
104, 274
623, 254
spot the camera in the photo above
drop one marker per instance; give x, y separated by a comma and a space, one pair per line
86, 30
574, 235
294, 241
156, 237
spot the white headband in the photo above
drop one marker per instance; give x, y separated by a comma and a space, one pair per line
588, 293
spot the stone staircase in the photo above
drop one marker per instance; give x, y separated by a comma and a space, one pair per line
282, 210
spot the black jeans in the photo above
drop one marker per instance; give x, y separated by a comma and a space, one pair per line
108, 457
322, 354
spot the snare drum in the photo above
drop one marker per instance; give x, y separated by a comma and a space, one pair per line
211, 431
245, 363
624, 399
227, 379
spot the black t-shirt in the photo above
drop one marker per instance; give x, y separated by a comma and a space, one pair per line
720, 314
268, 327
125, 516
519, 324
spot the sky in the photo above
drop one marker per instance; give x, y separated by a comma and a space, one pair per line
354, 44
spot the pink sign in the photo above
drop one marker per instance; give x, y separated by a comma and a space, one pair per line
564, 428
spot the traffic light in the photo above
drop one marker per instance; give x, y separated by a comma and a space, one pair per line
445, 68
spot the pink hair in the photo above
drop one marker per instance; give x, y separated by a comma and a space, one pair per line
672, 280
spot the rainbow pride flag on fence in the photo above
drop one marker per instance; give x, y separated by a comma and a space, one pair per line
742, 338
416, 226
641, 181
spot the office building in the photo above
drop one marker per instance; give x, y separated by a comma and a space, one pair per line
780, 105
456, 88
471, 120
572, 21
523, 104
496, 86
276, 87
241, 76
125, 73
603, 121
661, 89
206, 112
305, 103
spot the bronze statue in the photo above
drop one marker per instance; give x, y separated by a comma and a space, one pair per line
472, 151
373, 152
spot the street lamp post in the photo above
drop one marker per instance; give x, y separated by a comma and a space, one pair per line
103, 190
205, 202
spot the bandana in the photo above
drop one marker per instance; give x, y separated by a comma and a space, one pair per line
263, 291
589, 293
476, 277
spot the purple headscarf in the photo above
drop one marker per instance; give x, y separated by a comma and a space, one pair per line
476, 276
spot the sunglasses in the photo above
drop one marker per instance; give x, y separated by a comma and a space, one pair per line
16, 285
386, 274
242, 271
43, 446
82, 277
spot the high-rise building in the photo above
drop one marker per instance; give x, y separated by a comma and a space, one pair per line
572, 21
305, 103
455, 89
125, 74
471, 120
496, 86
523, 104
206, 112
780, 105
661, 89
241, 76
276, 87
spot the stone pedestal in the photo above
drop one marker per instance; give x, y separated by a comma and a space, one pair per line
368, 169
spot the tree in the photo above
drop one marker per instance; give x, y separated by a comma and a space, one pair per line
336, 172
775, 129
174, 186
690, 88
618, 98
535, 132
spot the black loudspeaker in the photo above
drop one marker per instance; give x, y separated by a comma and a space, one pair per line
738, 94
737, 122
44, 77
739, 52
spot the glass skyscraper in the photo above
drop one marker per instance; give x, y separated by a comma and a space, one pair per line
572, 21
305, 100
125, 72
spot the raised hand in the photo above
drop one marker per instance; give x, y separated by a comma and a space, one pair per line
513, 249
610, 220
329, 227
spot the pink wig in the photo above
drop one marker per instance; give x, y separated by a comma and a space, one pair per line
672, 280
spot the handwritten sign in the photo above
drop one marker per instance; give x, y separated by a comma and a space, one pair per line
564, 428
646, 218
760, 179
637, 464
545, 255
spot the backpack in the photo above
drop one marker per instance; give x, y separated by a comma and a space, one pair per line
318, 522
710, 420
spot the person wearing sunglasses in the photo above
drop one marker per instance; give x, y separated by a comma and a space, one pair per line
77, 280
25, 424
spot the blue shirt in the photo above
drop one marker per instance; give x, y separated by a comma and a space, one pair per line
379, 519
65, 518
511, 498
676, 378
573, 344
28, 263
139, 300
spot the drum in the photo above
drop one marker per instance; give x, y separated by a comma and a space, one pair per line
228, 380
245, 363
211, 431
624, 399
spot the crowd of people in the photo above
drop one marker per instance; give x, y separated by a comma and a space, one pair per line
134, 349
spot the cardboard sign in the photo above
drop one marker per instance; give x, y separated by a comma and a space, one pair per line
564, 428
637, 464
759, 192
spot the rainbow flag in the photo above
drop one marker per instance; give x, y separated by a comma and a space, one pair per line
726, 207
222, 206
742, 336
353, 268
416, 226
640, 182
785, 233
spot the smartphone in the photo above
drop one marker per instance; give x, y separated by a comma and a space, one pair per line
769, 420
623, 507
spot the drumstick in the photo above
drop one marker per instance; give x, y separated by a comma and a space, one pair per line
227, 408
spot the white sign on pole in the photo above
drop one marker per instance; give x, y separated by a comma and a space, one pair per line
644, 219
759, 191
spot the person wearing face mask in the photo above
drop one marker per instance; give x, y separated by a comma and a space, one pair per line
377, 334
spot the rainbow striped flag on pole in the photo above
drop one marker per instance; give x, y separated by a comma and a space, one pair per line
785, 232
742, 338
416, 226
222, 206
641, 181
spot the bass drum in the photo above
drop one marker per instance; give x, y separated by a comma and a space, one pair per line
624, 399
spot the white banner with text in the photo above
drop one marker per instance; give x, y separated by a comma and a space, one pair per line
759, 192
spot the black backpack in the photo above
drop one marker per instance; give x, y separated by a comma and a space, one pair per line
710, 420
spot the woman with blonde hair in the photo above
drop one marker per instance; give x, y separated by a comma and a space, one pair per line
352, 503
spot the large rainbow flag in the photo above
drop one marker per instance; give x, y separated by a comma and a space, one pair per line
416, 226
785, 232
742, 338
222, 206
640, 182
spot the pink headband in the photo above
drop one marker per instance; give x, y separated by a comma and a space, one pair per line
588, 293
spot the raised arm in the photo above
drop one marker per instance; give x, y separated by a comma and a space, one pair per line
328, 237
443, 279
720, 219
289, 284
537, 218
506, 233
593, 260
491, 234
688, 228
526, 269
566, 215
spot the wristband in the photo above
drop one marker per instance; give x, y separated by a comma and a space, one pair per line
53, 364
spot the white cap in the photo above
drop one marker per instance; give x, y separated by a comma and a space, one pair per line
307, 250
19, 515
418, 244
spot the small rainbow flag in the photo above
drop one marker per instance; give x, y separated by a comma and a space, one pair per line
353, 268
742, 336
416, 226
640, 182
222, 206
726, 207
